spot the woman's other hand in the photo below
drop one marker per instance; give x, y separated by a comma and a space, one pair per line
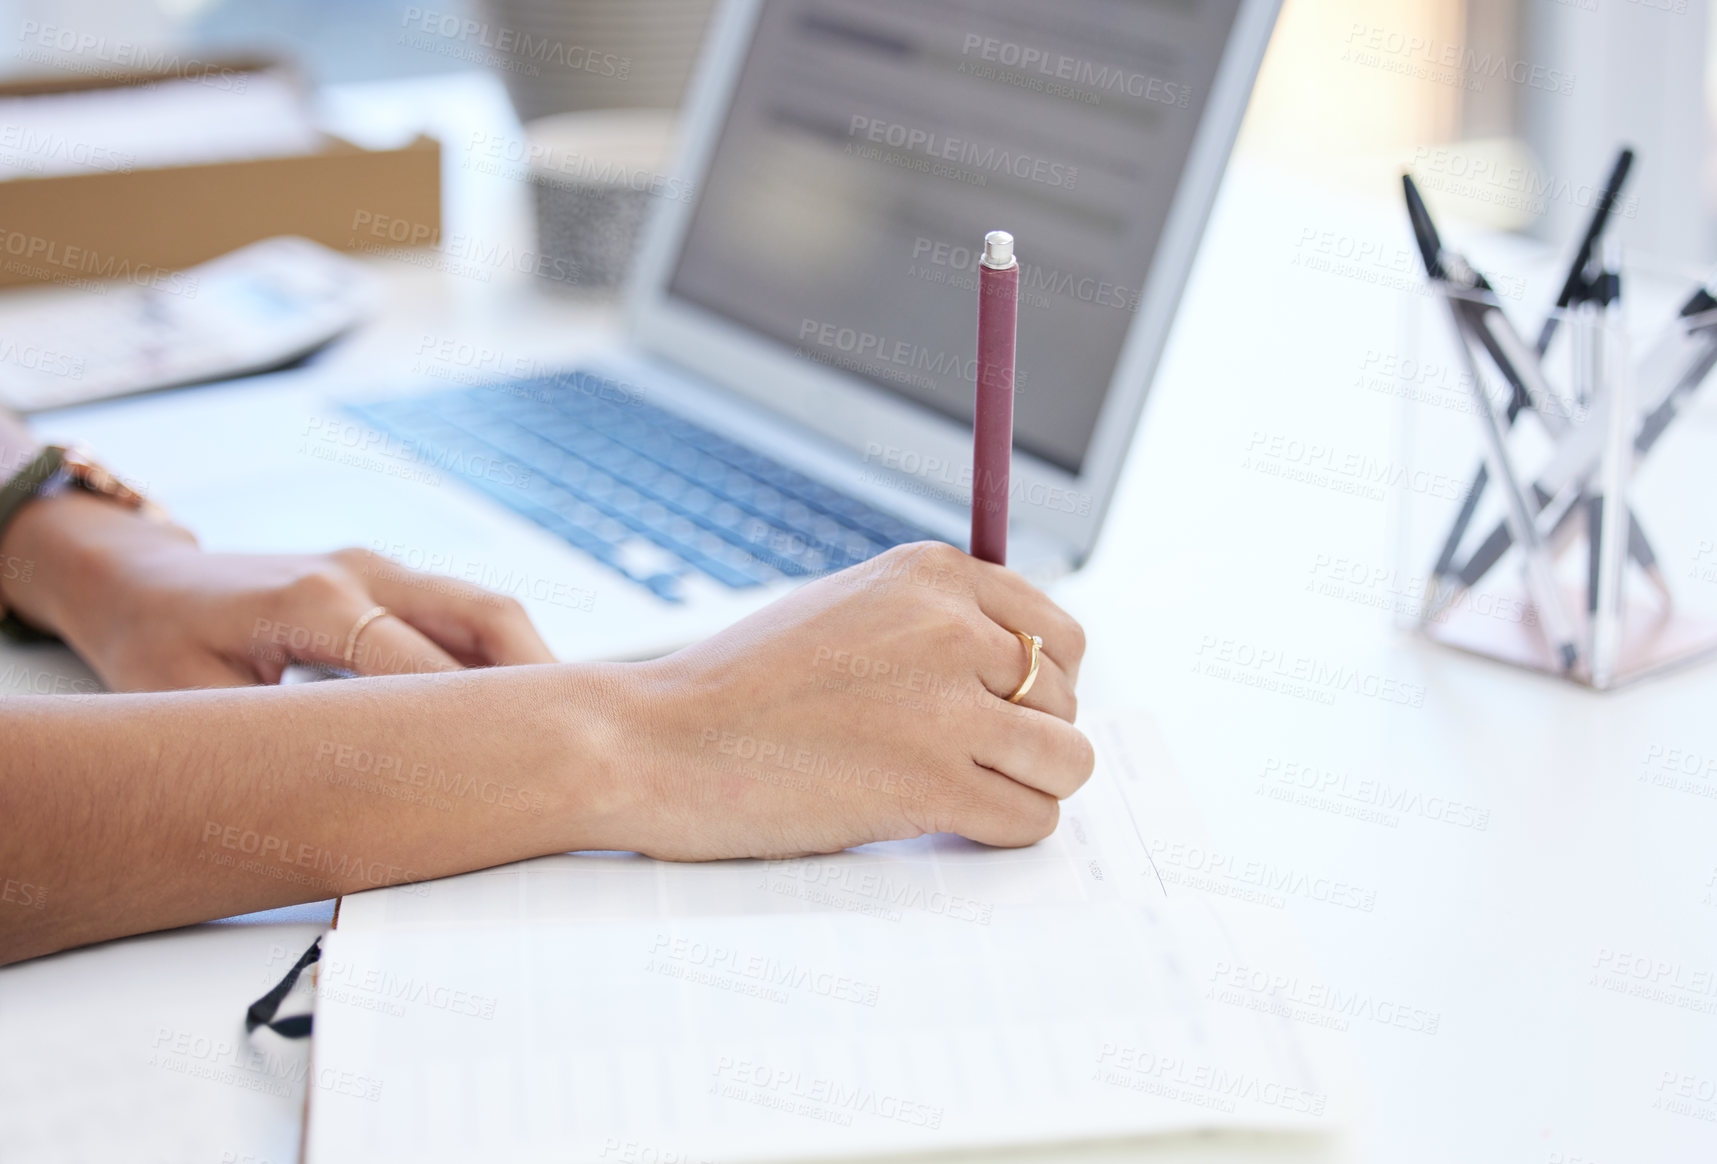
150, 611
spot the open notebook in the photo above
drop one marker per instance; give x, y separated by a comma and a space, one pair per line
908, 996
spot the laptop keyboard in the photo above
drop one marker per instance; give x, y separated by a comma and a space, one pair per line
644, 491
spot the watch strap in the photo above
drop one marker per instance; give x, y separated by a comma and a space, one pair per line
14, 495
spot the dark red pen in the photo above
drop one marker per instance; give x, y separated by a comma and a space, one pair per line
993, 416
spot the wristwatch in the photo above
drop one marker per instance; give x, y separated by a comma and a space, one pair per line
52, 471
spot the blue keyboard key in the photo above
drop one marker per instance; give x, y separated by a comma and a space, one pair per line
607, 467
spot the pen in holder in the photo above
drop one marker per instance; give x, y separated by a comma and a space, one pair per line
1554, 498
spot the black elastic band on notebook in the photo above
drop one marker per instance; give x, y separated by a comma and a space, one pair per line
263, 1010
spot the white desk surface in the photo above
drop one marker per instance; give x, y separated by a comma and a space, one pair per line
1567, 950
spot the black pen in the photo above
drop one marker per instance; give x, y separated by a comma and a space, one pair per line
1490, 327
1574, 286
1464, 292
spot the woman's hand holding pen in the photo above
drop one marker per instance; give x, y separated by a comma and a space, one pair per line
866, 705
870, 705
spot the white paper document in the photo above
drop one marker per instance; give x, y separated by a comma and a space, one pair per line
222, 116
909, 996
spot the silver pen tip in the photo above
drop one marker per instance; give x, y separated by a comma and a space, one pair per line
999, 250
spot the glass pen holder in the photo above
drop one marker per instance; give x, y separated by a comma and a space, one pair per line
1557, 504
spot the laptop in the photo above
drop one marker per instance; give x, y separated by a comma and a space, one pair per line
794, 392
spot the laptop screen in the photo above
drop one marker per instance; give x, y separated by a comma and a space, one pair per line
870, 144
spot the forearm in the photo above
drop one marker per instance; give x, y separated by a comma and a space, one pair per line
129, 813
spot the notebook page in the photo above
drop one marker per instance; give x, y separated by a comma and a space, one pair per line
784, 1037
910, 996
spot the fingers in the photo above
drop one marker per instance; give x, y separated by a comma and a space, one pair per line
1034, 741
473, 625
1017, 605
1035, 750
193, 671
391, 646
319, 612
1005, 662
994, 810
265, 666
1002, 595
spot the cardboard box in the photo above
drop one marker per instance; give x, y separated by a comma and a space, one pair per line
127, 224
